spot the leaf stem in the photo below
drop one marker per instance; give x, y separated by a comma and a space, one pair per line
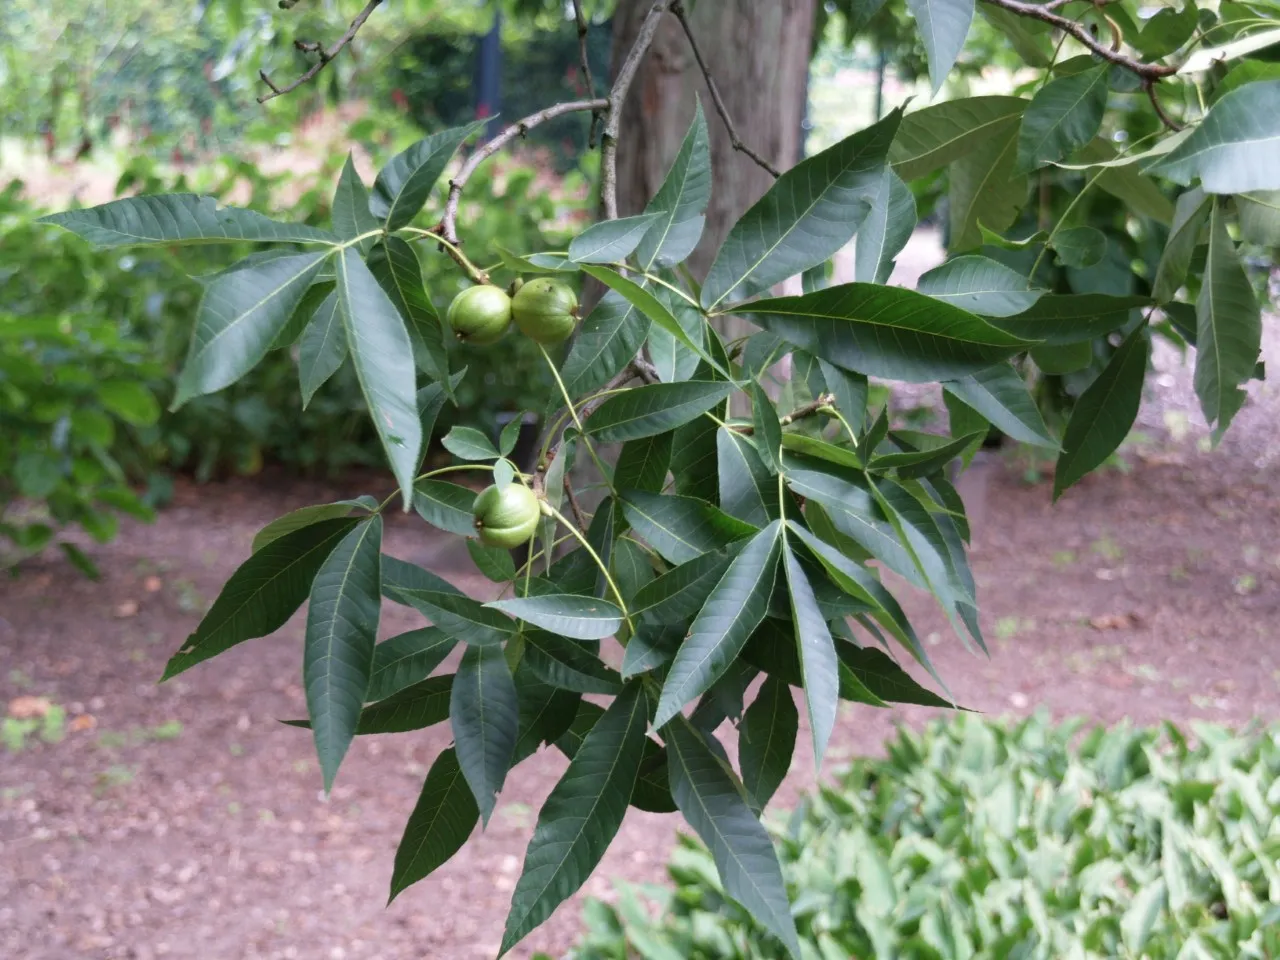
576, 421
604, 569
672, 287
470, 269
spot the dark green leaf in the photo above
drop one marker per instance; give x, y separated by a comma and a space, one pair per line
712, 803
734, 609
468, 443
440, 823
351, 216
817, 656
396, 267
681, 528
1080, 247
931, 138
406, 659
632, 569
1259, 217
582, 618
302, 517
445, 505
877, 672
1233, 150
262, 594
850, 391
670, 357
747, 491
767, 739
494, 562
1030, 39
178, 218
399, 575
650, 648
642, 464
693, 460
567, 665
459, 616
416, 707
323, 348
1061, 318
679, 594
981, 286
653, 409
808, 214
1104, 413
239, 318
485, 715
431, 401
1000, 395
886, 230
886, 332
129, 400
921, 463
680, 202
545, 712
383, 358
985, 190
943, 24
404, 184
1062, 117
768, 431
610, 240
80, 560
813, 447
582, 815
1067, 358
609, 337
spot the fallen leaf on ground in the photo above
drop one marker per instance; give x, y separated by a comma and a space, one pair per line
127, 609
152, 584
86, 721
1114, 621
25, 708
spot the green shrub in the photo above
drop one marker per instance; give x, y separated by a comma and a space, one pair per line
976, 839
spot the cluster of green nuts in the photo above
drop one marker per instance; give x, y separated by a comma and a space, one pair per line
544, 310
506, 516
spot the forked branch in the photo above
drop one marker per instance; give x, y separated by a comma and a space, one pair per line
323, 55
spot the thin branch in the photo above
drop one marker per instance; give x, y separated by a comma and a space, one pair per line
799, 413
621, 84
645, 370
575, 506
678, 9
1147, 71
449, 223
581, 21
1167, 120
324, 55
630, 372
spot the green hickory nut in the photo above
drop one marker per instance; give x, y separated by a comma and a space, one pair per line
506, 516
480, 314
545, 310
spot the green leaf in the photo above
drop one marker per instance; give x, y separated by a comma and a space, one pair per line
1190, 215
1228, 327
881, 676
1259, 217
679, 594
431, 401
1080, 247
581, 816
886, 230
809, 213
734, 609
979, 285
681, 528
653, 409
545, 712
921, 463
651, 307
693, 460
1206, 57
610, 240
1168, 30
888, 332
484, 713
445, 505
813, 447
80, 560
342, 629
711, 802
632, 568
944, 25
1140, 194
350, 213
1062, 318
609, 337
178, 218
931, 138
642, 464
459, 616
1000, 395
323, 348
680, 202
671, 358
582, 618
129, 400
383, 359
850, 391
416, 707
302, 517
767, 739
400, 575
1064, 359
1103, 415
985, 189
1140, 918
396, 268
1234, 148
441, 821
747, 491
404, 184
817, 654
650, 648
262, 594
494, 562
567, 665
1062, 117
239, 318
468, 443
510, 435
1030, 39
405, 660
768, 431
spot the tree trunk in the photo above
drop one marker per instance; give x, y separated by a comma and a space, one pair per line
758, 53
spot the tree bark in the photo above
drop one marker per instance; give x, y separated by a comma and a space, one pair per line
758, 53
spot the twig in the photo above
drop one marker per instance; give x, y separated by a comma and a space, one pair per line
1148, 71
449, 222
324, 55
645, 370
581, 22
629, 372
621, 84
799, 413
678, 9
1167, 120
574, 505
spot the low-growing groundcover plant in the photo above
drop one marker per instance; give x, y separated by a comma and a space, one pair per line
727, 547
976, 839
